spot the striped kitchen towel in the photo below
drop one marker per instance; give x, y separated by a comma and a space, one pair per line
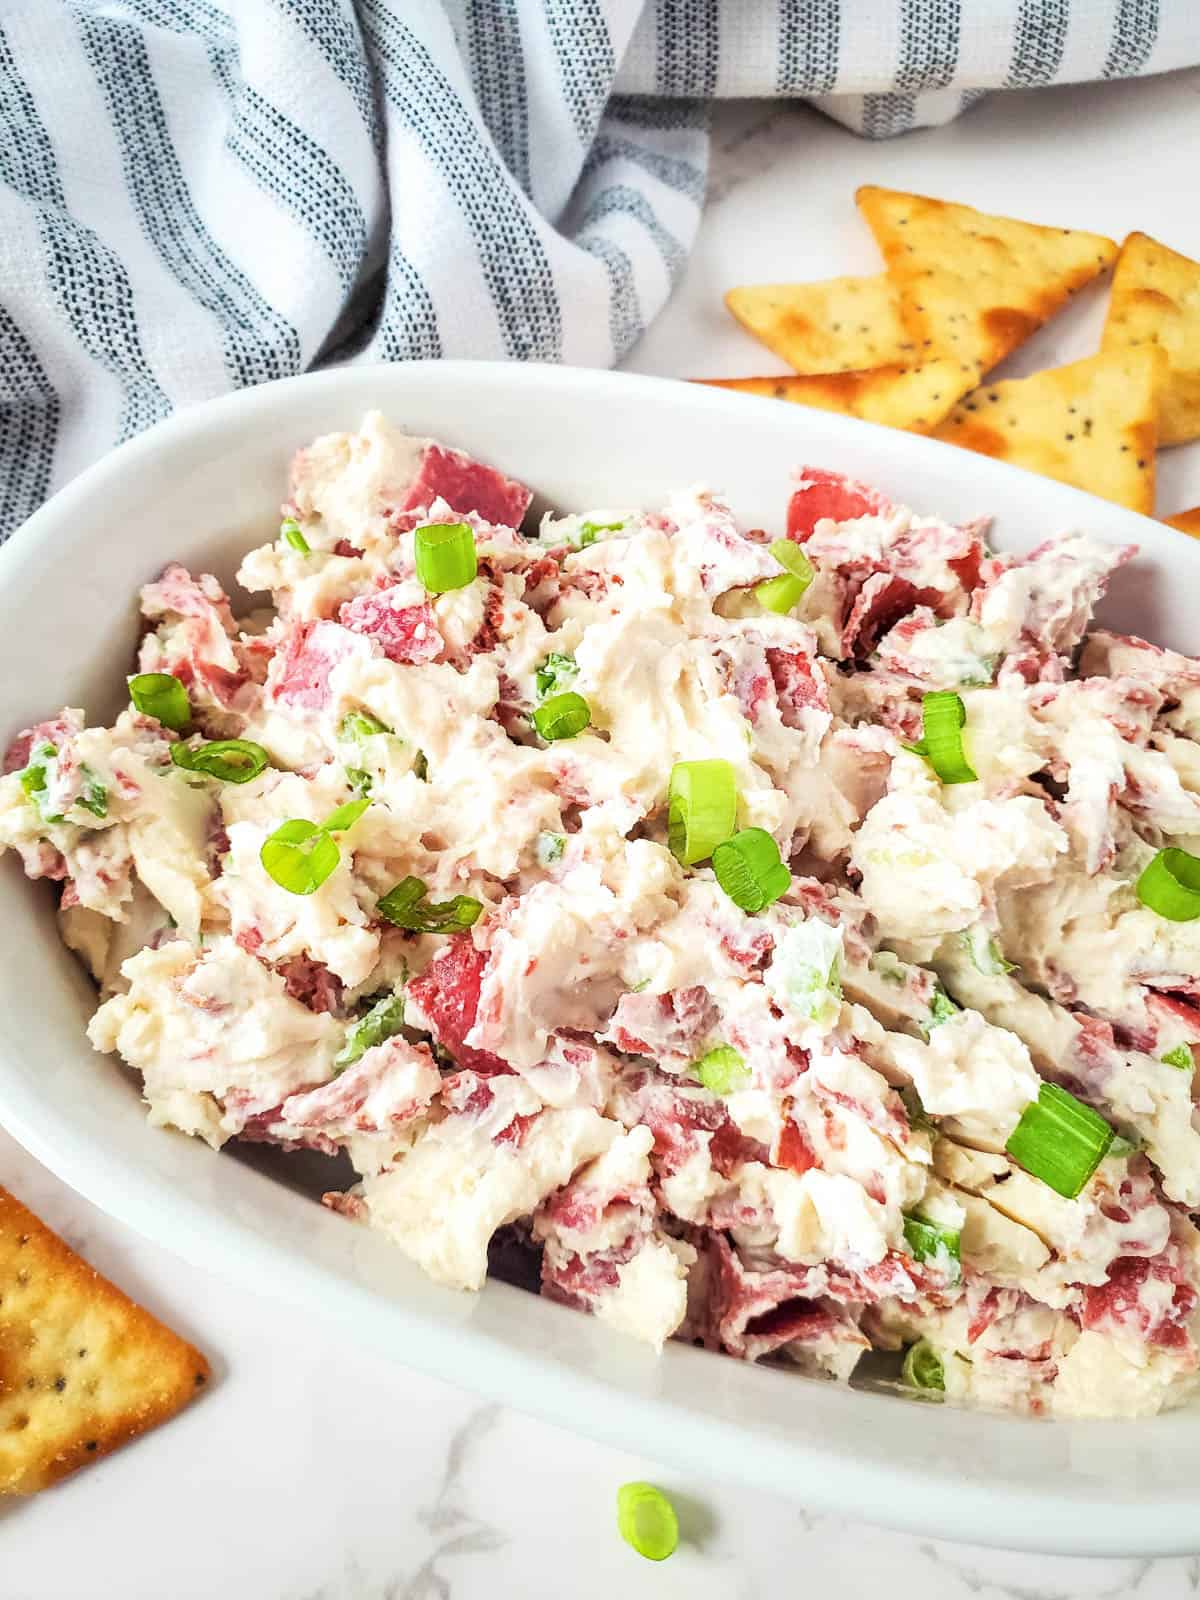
196, 196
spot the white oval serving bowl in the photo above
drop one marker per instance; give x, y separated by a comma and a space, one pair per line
206, 485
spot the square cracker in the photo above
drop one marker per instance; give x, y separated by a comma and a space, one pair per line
839, 325
1156, 300
1092, 424
974, 286
82, 1368
1186, 521
913, 398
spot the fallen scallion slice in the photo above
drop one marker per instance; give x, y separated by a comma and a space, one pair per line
943, 717
646, 1520
722, 1069
161, 695
1170, 885
406, 906
701, 808
445, 556
1060, 1140
562, 716
229, 760
750, 869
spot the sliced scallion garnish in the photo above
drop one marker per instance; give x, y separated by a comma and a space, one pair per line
406, 906
445, 556
750, 869
554, 673
562, 716
382, 1021
345, 816
290, 533
359, 725
782, 593
1060, 1140
941, 1009
1181, 1057
161, 695
943, 717
1170, 885
930, 1241
646, 1520
230, 760
701, 808
922, 1367
722, 1069
93, 796
32, 777
299, 856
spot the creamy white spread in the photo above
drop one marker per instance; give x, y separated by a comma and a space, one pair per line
791, 1131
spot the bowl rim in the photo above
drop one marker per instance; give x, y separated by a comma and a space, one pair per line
988, 1511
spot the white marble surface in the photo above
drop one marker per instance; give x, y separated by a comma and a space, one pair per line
313, 1470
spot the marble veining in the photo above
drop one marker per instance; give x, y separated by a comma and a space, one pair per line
318, 1470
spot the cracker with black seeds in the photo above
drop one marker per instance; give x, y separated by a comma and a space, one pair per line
82, 1368
1156, 300
973, 286
1186, 521
838, 325
1092, 424
914, 398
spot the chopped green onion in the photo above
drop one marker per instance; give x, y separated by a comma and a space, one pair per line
562, 716
1181, 1057
1060, 1140
589, 530
555, 672
943, 716
161, 695
918, 1117
701, 808
549, 848
889, 967
922, 1367
721, 1070
941, 1009
1170, 885
405, 906
750, 869
345, 816
986, 955
230, 760
289, 530
94, 797
299, 856
928, 1241
646, 1520
359, 779
33, 777
1121, 1146
445, 556
359, 725
782, 593
381, 1022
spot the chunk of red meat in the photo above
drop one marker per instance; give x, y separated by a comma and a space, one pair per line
301, 669
751, 1314
466, 486
448, 994
310, 982
792, 1150
985, 1305
819, 493
55, 731
878, 605
799, 686
177, 592
663, 1026
678, 1117
579, 1281
370, 1096
406, 633
1129, 1303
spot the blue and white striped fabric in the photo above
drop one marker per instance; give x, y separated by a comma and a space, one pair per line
196, 196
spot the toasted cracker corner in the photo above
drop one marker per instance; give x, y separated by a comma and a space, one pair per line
83, 1369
